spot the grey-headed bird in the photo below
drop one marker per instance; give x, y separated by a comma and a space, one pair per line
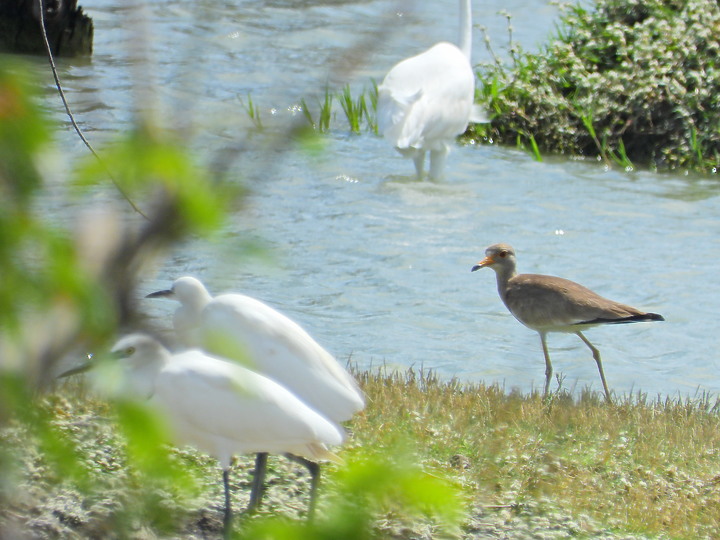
553, 304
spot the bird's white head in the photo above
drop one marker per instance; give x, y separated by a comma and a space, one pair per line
187, 290
138, 349
140, 357
193, 297
499, 257
137, 358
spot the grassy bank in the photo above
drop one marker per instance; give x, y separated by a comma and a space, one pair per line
638, 466
522, 466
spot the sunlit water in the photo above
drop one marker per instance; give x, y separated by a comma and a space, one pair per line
373, 263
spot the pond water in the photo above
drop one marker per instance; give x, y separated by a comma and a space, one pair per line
375, 264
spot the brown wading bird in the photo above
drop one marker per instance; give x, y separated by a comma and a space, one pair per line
552, 304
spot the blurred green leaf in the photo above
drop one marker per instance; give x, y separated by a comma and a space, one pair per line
368, 485
145, 164
147, 437
24, 130
17, 401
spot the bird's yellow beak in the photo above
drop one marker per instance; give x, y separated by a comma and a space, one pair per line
487, 261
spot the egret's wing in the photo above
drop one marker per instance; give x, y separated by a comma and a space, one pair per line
393, 108
427, 99
264, 340
224, 408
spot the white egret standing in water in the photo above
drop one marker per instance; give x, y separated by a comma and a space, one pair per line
427, 100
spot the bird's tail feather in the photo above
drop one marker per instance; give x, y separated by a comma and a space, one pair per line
319, 451
643, 317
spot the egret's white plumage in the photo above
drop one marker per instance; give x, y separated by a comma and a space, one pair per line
427, 100
221, 407
246, 330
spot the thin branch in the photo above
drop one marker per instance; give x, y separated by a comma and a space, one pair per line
70, 114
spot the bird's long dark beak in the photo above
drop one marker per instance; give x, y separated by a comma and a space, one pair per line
82, 368
91, 363
159, 294
487, 261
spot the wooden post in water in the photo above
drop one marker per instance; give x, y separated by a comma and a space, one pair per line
69, 30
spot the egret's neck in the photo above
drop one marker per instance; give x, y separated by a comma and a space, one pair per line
465, 40
141, 377
198, 302
188, 316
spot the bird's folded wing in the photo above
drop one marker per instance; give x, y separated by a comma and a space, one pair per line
220, 399
264, 340
551, 302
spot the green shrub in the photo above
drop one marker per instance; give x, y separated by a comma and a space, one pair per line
628, 81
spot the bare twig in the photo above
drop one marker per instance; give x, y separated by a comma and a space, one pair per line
70, 114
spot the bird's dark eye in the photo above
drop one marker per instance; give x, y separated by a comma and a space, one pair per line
503, 254
129, 351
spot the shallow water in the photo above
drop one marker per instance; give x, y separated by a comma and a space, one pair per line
373, 263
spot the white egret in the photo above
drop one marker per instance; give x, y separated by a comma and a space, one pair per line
553, 304
427, 100
223, 408
246, 330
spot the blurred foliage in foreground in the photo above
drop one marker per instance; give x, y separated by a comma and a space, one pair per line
625, 80
67, 287
83, 468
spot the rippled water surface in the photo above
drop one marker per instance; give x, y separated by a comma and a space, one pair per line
375, 264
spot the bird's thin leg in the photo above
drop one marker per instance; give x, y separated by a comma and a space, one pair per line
437, 163
419, 160
548, 364
258, 484
227, 519
314, 469
596, 356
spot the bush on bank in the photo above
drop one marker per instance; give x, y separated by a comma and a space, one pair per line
628, 81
